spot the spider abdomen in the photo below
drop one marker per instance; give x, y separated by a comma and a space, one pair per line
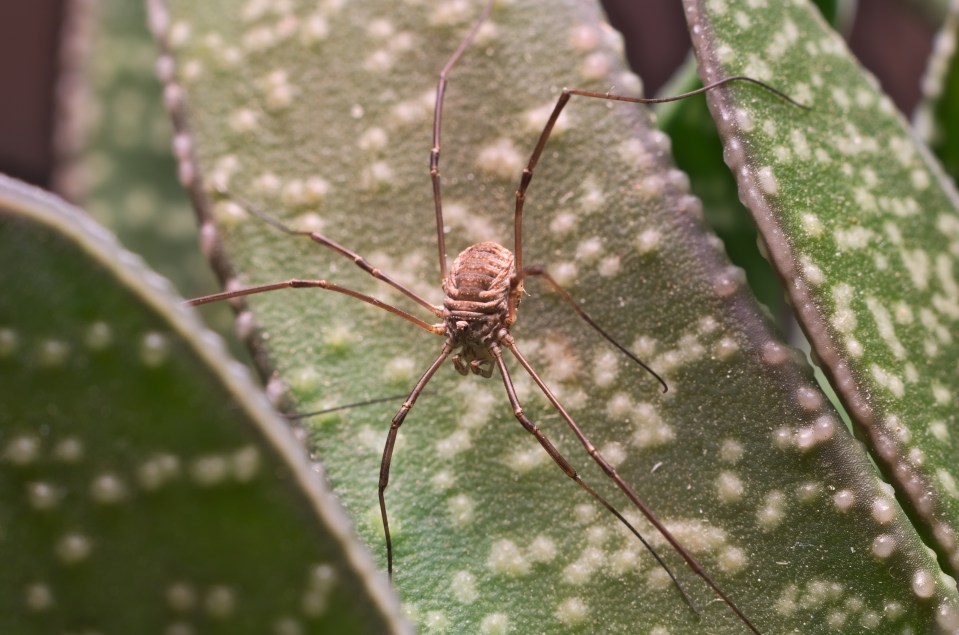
479, 279
477, 291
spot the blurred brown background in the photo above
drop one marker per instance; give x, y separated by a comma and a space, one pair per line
656, 44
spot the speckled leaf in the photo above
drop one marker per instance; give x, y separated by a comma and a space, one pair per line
864, 228
937, 118
146, 487
321, 115
698, 152
112, 145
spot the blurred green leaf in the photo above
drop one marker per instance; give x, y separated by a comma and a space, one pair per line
113, 144
146, 485
936, 118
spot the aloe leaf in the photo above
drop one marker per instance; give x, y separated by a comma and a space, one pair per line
146, 485
113, 147
698, 152
116, 156
863, 226
321, 116
936, 120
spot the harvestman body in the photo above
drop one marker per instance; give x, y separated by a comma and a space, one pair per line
483, 288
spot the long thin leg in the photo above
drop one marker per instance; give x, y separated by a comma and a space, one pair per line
357, 259
611, 472
348, 406
570, 471
391, 441
297, 283
558, 108
437, 122
568, 299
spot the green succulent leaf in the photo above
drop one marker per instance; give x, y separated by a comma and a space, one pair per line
321, 116
697, 150
861, 223
146, 484
936, 119
116, 157
113, 147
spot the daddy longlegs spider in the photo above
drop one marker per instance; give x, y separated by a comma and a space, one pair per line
483, 289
